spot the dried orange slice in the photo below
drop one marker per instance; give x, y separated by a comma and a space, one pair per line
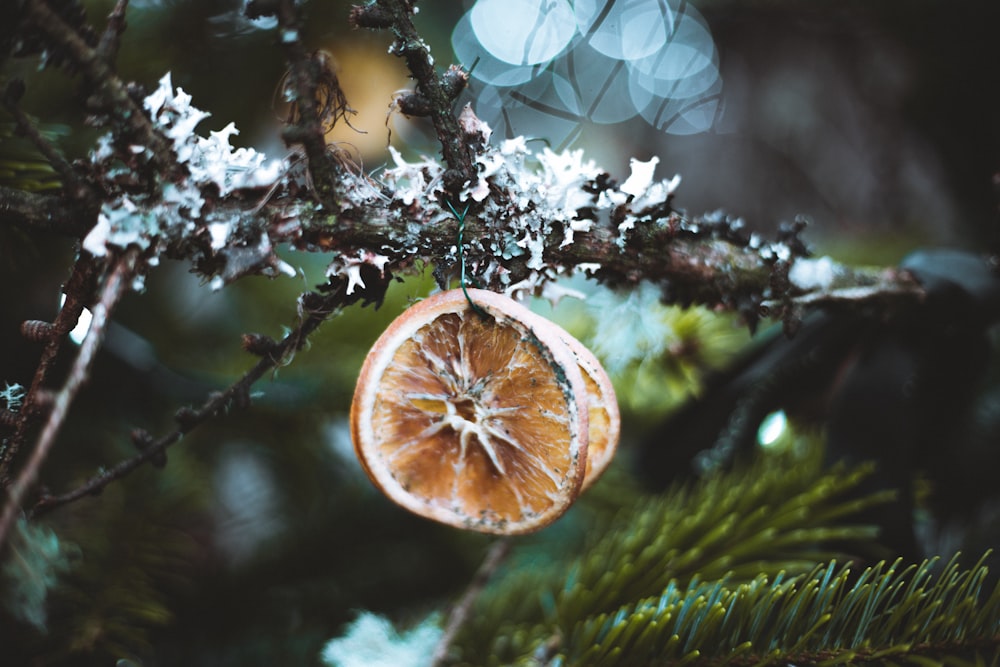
475, 420
603, 415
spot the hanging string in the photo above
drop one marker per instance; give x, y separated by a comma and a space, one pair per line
461, 256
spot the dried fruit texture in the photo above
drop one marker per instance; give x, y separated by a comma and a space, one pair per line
604, 419
477, 420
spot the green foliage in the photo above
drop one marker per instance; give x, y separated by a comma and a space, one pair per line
726, 569
656, 354
36, 559
21, 165
133, 564
889, 613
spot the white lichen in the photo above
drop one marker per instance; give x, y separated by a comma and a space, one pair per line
349, 267
813, 274
641, 177
214, 168
372, 641
219, 233
561, 180
656, 193
12, 395
209, 159
413, 181
120, 223
104, 149
528, 198
531, 196
776, 251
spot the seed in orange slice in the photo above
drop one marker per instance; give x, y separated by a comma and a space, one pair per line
603, 415
474, 419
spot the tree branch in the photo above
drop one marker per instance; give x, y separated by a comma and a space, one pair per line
315, 309
533, 217
495, 557
78, 290
436, 95
306, 127
107, 48
115, 285
112, 92
49, 214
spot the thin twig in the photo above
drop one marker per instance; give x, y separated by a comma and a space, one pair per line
78, 290
303, 80
111, 90
44, 213
454, 148
460, 612
114, 287
318, 311
107, 48
78, 189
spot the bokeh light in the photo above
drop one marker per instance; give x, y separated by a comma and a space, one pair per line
545, 68
523, 32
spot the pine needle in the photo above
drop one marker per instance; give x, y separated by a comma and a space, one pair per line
770, 520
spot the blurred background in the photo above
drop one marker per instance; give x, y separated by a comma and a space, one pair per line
877, 122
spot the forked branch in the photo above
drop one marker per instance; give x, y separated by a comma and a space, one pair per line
115, 285
315, 309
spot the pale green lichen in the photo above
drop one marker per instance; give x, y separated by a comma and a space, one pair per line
12, 395
36, 557
145, 221
372, 641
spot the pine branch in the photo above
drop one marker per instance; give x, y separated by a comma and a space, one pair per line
776, 516
110, 90
828, 616
727, 573
77, 188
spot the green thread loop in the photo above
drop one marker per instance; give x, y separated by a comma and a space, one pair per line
461, 256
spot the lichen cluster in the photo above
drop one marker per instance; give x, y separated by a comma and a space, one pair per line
182, 210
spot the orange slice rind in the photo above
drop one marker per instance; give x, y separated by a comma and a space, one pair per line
604, 418
479, 421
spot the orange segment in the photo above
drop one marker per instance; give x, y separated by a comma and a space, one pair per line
475, 421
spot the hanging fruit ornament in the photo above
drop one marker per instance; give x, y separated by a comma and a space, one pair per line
478, 416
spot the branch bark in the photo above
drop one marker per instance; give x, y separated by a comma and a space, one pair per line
110, 91
117, 282
438, 96
316, 309
45, 213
